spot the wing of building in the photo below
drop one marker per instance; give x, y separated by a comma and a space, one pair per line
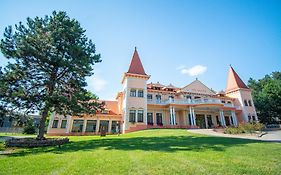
141, 105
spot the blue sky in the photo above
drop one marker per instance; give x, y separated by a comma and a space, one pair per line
177, 40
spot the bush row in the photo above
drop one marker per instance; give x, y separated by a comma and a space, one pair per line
32, 142
245, 128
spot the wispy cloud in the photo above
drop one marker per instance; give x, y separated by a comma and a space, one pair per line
193, 71
96, 83
181, 67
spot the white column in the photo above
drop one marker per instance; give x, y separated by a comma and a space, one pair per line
136, 116
154, 118
233, 115
51, 121
194, 116
206, 121
68, 124
98, 125
222, 118
174, 116
59, 123
191, 118
84, 125
171, 116
109, 126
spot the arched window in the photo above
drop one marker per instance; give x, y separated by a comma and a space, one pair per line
245, 103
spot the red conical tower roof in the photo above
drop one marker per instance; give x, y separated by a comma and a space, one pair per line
234, 81
136, 65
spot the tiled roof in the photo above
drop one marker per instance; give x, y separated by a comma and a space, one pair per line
136, 65
234, 81
110, 106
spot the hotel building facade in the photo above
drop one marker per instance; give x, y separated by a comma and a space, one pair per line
142, 105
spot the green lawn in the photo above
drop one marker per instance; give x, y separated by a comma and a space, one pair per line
163, 151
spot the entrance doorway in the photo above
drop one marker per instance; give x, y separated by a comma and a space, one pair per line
200, 121
209, 121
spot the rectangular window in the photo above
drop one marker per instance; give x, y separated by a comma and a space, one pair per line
140, 115
150, 118
133, 93
245, 103
115, 127
158, 98
77, 126
104, 126
159, 119
55, 124
91, 126
250, 103
149, 96
132, 116
218, 121
63, 123
140, 93
249, 119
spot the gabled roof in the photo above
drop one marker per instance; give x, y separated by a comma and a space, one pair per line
234, 81
197, 87
136, 65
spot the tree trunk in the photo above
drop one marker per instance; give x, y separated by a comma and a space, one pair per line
41, 132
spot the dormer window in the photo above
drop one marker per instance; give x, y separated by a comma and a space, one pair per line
105, 111
133, 93
222, 101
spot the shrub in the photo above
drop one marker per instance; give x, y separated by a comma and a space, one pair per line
32, 142
244, 128
29, 128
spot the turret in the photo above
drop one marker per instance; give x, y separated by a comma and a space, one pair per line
134, 103
236, 88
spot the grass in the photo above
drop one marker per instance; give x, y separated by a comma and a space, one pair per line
163, 151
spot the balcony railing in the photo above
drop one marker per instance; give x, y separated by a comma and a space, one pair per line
189, 101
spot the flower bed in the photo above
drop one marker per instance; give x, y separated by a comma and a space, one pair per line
32, 142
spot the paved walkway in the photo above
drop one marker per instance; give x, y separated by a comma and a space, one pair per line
273, 136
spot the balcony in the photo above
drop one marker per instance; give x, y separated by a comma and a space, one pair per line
189, 101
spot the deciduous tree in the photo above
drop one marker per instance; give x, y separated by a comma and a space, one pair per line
267, 97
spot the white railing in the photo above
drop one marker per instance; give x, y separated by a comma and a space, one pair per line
189, 101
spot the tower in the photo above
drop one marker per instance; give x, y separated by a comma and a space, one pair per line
236, 88
134, 104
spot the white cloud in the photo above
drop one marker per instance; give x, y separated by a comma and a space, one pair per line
96, 83
181, 67
193, 71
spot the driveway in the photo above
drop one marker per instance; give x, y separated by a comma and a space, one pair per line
273, 136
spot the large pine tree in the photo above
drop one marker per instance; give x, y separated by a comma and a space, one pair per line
49, 59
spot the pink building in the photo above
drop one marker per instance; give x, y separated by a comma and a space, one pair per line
141, 105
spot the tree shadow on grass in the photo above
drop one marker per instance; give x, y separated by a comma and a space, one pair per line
162, 144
